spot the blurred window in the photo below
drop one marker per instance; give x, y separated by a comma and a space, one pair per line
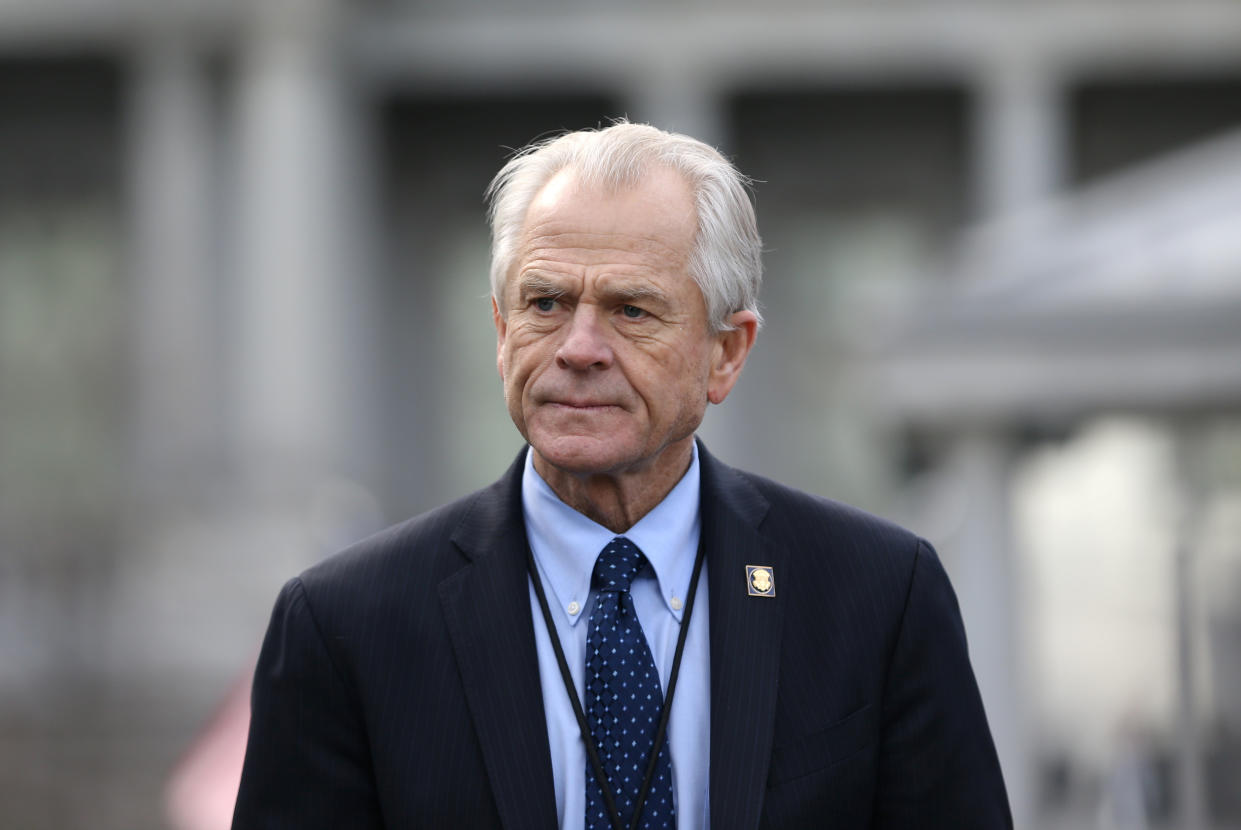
858, 191
62, 400
1117, 123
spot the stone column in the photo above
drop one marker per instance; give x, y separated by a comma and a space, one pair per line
1192, 463
673, 95
981, 562
302, 340
294, 308
175, 285
1019, 136
177, 414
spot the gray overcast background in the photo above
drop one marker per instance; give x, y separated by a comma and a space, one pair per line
244, 320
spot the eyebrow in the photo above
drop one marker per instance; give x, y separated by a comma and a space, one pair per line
638, 294
535, 285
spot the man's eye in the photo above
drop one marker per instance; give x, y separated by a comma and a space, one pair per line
545, 303
632, 312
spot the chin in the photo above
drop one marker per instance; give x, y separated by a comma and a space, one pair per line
583, 455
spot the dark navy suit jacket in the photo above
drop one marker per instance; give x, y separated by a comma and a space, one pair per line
398, 683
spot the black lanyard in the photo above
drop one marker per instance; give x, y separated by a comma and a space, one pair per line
591, 750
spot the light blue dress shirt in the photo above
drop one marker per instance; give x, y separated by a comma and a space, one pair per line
565, 545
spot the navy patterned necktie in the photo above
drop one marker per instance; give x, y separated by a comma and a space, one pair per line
623, 698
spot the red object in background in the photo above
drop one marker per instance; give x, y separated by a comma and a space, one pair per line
203, 786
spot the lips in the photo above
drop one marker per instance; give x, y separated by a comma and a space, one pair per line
585, 398
582, 404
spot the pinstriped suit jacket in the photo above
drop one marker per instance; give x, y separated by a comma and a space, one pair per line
398, 683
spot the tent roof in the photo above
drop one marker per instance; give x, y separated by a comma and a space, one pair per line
1124, 295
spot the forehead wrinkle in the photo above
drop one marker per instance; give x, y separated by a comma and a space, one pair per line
601, 243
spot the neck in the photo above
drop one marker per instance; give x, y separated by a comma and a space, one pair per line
617, 500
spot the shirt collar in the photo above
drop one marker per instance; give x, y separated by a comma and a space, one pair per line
566, 543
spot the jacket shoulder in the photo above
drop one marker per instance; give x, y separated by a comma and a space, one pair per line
398, 564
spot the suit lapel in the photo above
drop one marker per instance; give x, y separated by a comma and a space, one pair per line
487, 608
745, 645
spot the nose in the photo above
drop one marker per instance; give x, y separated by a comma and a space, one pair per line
585, 344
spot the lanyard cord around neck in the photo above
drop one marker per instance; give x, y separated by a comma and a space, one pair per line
592, 751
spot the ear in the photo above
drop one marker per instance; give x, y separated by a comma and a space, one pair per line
731, 349
501, 332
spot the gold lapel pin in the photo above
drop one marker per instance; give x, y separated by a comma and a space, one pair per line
760, 580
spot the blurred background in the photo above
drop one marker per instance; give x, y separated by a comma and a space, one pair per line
244, 320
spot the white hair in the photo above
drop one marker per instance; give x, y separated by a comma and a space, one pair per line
726, 261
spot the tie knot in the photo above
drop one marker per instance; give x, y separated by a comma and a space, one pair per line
617, 565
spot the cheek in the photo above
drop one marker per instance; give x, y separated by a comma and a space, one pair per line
694, 380
676, 387
518, 369
513, 398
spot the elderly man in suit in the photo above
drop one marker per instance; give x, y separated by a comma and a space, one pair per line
622, 631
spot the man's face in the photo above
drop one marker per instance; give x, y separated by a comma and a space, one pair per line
604, 347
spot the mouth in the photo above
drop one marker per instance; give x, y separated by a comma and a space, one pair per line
582, 406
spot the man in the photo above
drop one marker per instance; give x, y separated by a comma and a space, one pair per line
507, 660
